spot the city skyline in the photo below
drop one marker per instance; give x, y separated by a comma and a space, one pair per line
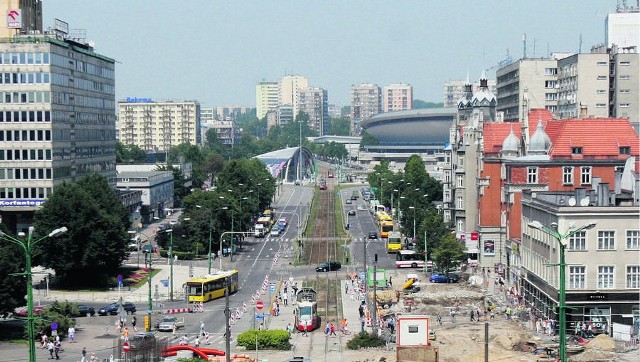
227, 48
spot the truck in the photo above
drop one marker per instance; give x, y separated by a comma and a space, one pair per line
259, 230
262, 226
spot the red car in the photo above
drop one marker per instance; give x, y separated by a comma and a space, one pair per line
22, 312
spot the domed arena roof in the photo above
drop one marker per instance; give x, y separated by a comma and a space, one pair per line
412, 127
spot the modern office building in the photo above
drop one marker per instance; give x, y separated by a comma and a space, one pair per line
314, 102
25, 17
366, 101
289, 91
583, 86
267, 98
158, 126
57, 119
397, 97
526, 84
454, 90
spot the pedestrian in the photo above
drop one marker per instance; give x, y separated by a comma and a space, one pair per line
327, 328
94, 358
125, 334
285, 299
453, 315
332, 328
184, 340
71, 334
206, 338
50, 348
45, 341
289, 328
361, 311
362, 324
478, 314
196, 343
84, 354
392, 325
173, 330
56, 348
439, 319
202, 328
472, 317
390, 284
133, 323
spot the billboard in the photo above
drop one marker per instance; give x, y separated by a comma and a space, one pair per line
489, 247
14, 18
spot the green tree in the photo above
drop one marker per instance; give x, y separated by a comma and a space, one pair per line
96, 240
189, 153
448, 252
367, 140
339, 126
129, 154
420, 104
433, 227
62, 313
12, 285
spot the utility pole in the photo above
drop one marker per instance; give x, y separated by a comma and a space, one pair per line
227, 332
375, 300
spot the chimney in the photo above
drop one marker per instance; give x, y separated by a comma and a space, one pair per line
603, 194
581, 192
617, 177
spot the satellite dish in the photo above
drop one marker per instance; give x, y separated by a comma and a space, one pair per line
572, 201
584, 201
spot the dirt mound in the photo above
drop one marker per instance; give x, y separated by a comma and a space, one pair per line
593, 355
602, 342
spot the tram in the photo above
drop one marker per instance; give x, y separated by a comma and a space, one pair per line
307, 310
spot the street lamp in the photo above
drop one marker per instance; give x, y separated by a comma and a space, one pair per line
562, 242
149, 275
26, 247
414, 221
170, 232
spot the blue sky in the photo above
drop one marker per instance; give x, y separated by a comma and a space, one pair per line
216, 51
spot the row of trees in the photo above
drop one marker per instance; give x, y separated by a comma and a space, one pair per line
413, 192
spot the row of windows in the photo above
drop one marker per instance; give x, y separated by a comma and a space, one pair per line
28, 155
70, 63
24, 58
24, 192
26, 135
25, 78
25, 116
606, 277
25, 174
85, 84
25, 97
606, 240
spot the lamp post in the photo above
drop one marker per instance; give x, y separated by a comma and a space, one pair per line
414, 221
150, 274
170, 232
562, 243
26, 247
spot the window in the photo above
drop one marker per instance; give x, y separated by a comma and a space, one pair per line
567, 175
625, 64
578, 241
459, 203
602, 77
601, 105
606, 239
633, 276
625, 150
625, 91
633, 239
460, 224
532, 175
550, 71
602, 64
550, 84
585, 175
576, 150
550, 96
576, 277
624, 105
625, 77
601, 91
605, 277
460, 181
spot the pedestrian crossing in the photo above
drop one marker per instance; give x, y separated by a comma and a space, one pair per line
213, 340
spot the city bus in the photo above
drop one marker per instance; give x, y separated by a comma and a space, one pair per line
409, 259
211, 286
394, 242
385, 223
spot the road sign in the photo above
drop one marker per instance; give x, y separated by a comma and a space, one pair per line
259, 305
54, 326
259, 316
272, 287
126, 347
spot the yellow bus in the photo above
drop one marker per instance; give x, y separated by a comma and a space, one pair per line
211, 286
385, 223
394, 242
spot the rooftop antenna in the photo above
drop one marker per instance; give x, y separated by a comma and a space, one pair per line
524, 45
580, 44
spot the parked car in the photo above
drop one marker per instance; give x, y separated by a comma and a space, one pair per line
85, 310
143, 340
444, 278
329, 266
112, 309
351, 212
167, 323
348, 202
37, 309
373, 235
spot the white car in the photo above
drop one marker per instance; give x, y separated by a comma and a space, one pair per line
274, 231
166, 324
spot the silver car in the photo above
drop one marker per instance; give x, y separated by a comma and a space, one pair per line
166, 324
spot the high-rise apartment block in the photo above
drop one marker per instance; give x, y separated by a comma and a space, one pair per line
158, 126
366, 101
583, 86
57, 119
455, 89
267, 98
315, 103
397, 97
289, 90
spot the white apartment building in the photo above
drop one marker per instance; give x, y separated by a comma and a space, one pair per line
397, 97
583, 86
366, 101
158, 126
267, 98
314, 102
289, 91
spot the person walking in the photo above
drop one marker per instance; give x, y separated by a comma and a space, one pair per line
56, 349
332, 328
285, 299
196, 343
327, 329
133, 323
472, 316
71, 334
50, 348
84, 354
201, 328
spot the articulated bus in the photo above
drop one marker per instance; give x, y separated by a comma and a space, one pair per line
394, 242
211, 286
409, 259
